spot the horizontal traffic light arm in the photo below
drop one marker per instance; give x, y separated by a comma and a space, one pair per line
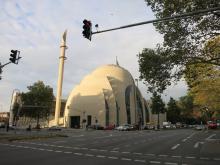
181, 16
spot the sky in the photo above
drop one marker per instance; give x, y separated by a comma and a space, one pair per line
35, 29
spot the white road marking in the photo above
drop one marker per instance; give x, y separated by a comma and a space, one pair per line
155, 162
197, 144
89, 155
113, 151
209, 138
49, 150
103, 150
67, 152
126, 159
190, 157
137, 153
169, 163
163, 155
93, 149
150, 154
216, 158
126, 152
184, 140
137, 160
112, 157
60, 142
174, 147
78, 154
100, 156
58, 151
176, 156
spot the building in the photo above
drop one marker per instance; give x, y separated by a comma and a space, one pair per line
107, 96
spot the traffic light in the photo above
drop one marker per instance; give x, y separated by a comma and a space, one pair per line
14, 56
87, 29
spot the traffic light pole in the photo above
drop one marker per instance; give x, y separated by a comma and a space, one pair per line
181, 16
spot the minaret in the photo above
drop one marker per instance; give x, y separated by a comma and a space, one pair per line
117, 61
62, 57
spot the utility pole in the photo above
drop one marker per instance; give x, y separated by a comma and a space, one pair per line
62, 57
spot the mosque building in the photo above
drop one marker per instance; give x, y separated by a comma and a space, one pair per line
107, 96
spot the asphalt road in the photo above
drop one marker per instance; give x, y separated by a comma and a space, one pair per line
168, 147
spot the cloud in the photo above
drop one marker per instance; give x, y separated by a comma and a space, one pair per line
35, 28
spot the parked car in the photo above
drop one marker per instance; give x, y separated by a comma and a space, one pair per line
212, 125
149, 127
125, 127
96, 126
199, 127
55, 128
109, 127
2, 125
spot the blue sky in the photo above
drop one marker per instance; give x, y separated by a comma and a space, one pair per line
35, 28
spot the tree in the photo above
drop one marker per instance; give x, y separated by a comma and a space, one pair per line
38, 101
157, 106
173, 111
186, 106
204, 84
184, 41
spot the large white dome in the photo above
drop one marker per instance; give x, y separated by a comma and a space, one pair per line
101, 95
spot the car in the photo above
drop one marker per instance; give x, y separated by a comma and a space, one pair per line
55, 128
109, 127
149, 127
96, 126
2, 125
212, 125
199, 127
124, 127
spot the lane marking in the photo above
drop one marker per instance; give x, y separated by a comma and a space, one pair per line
112, 157
190, 157
78, 154
155, 162
176, 156
216, 158
137, 153
196, 145
58, 151
67, 152
209, 138
103, 150
100, 156
89, 155
174, 147
163, 155
137, 160
150, 154
184, 140
126, 152
114, 151
169, 163
126, 159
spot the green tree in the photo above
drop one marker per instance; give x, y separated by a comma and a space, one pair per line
173, 111
186, 105
157, 106
38, 101
184, 41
